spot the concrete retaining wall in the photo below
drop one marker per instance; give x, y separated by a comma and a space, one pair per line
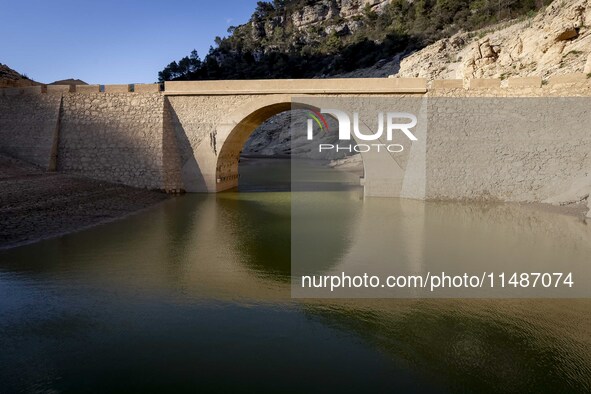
510, 149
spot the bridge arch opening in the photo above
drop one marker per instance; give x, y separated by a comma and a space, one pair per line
238, 152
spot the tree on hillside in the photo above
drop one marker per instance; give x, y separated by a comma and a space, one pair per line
186, 67
270, 46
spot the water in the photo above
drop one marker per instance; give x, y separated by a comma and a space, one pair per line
195, 295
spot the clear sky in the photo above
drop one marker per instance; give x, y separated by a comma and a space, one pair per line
108, 41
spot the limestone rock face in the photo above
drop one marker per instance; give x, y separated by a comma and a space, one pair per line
312, 22
587, 69
274, 138
327, 9
556, 41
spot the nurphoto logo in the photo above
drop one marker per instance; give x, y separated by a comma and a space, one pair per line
394, 122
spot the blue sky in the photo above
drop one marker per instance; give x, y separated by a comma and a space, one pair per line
106, 41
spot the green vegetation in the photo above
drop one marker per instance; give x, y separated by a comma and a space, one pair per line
271, 46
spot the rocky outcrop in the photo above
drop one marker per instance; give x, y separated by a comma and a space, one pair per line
587, 69
555, 41
319, 19
333, 9
274, 138
352, 163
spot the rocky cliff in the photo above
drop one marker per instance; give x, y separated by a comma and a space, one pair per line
321, 38
274, 138
345, 13
555, 41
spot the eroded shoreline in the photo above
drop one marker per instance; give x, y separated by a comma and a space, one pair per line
37, 205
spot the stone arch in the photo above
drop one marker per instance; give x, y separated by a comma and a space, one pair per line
231, 136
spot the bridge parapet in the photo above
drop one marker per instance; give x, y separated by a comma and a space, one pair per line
299, 86
328, 86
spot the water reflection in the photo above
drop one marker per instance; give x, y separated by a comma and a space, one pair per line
195, 294
406, 237
477, 345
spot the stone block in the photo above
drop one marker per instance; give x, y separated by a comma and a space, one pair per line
59, 89
117, 88
22, 90
87, 89
146, 88
567, 79
447, 84
485, 83
525, 82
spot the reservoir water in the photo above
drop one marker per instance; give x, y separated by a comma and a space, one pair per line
194, 295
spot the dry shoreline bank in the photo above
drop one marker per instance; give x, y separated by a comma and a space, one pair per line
37, 205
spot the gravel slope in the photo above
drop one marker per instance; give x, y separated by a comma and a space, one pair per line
35, 204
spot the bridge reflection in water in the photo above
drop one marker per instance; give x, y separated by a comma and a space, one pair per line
196, 294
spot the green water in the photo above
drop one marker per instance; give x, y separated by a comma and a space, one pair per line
194, 295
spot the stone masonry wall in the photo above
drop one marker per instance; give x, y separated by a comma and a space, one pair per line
28, 123
194, 121
116, 137
198, 116
159, 141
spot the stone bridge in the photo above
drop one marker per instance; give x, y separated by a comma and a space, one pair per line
189, 136
218, 117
